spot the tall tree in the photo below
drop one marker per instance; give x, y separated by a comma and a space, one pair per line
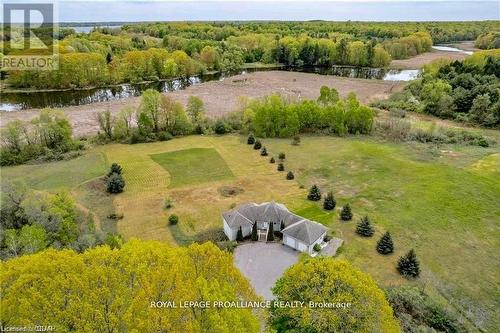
330, 280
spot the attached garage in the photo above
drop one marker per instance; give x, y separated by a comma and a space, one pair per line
289, 241
303, 235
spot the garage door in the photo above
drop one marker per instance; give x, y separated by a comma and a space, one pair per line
302, 247
290, 242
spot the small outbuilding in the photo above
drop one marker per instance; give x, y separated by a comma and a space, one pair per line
298, 233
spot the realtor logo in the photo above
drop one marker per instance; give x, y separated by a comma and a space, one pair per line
28, 36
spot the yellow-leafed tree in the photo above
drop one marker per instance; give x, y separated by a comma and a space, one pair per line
104, 290
343, 298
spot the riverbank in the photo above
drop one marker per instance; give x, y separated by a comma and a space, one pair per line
221, 97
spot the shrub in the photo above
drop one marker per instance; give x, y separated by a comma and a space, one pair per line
346, 213
314, 193
281, 167
115, 183
290, 175
408, 265
365, 228
270, 232
327, 238
263, 151
239, 235
272, 160
173, 219
220, 127
317, 247
418, 312
257, 145
164, 136
250, 139
281, 156
168, 203
255, 236
296, 140
385, 244
329, 203
115, 168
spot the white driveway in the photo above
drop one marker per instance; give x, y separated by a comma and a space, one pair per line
263, 264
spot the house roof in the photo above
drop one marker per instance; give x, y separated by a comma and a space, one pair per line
295, 226
306, 231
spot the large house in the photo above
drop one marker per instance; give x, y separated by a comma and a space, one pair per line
298, 232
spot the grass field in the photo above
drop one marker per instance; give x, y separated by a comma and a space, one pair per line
193, 166
443, 202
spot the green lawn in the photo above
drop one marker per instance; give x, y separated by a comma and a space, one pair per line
445, 209
193, 166
61, 174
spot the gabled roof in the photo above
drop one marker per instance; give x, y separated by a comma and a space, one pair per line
295, 226
306, 231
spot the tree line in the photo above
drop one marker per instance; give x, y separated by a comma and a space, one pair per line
155, 51
276, 116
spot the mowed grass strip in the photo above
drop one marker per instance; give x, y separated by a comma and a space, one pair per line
193, 166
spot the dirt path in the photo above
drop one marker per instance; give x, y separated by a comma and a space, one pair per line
220, 97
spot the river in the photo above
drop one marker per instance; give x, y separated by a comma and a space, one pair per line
61, 98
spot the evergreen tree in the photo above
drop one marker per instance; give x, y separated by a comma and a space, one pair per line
290, 175
255, 236
270, 233
282, 156
257, 145
385, 244
365, 228
263, 151
115, 168
251, 139
408, 265
272, 160
239, 235
314, 193
329, 203
346, 213
115, 183
281, 167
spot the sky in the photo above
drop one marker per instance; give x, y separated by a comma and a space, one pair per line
293, 10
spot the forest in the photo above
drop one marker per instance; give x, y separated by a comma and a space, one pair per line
156, 51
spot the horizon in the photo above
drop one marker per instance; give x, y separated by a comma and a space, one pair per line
72, 11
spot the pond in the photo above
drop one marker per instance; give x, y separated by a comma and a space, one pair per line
61, 98
450, 49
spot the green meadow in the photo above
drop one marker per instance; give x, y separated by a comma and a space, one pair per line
441, 201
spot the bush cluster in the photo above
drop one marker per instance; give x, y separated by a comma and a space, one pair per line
47, 137
275, 116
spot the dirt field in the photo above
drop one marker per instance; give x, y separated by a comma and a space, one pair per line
221, 97
425, 58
